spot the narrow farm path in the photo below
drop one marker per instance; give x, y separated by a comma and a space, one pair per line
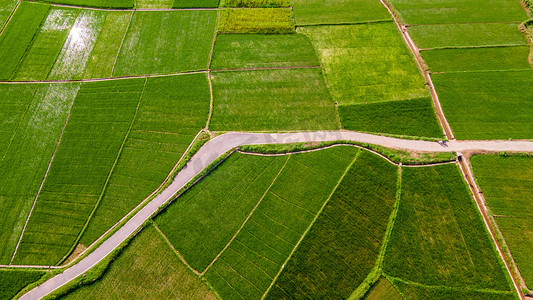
223, 143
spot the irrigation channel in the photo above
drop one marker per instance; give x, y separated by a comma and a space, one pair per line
225, 142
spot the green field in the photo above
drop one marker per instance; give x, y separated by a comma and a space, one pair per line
71, 62
37, 114
6, 7
18, 35
459, 11
201, 222
487, 105
257, 3
146, 269
415, 117
507, 184
233, 51
95, 3
477, 59
46, 45
343, 245
195, 3
172, 111
439, 238
102, 58
13, 280
386, 69
417, 291
252, 260
165, 42
154, 3
98, 124
270, 100
256, 20
319, 12
383, 289
467, 35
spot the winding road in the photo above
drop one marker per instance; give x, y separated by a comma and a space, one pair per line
223, 143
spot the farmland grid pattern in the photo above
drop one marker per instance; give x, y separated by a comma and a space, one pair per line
208, 72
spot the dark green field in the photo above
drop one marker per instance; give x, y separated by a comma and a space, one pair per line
414, 117
234, 51
13, 280
439, 238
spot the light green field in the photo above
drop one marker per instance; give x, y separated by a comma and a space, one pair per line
252, 260
165, 42
439, 237
72, 59
271, 100
319, 12
46, 45
256, 20
146, 269
487, 105
477, 59
41, 113
105, 50
233, 51
154, 3
383, 289
385, 68
18, 35
257, 3
13, 280
172, 111
507, 184
201, 222
467, 35
414, 117
459, 11
343, 245
98, 124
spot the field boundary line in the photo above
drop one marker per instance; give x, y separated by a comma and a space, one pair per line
45, 174
392, 220
101, 79
447, 130
409, 282
267, 68
10, 17
478, 198
121, 43
178, 254
341, 143
104, 188
356, 156
209, 60
247, 218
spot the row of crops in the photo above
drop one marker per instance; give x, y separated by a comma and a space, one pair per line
327, 223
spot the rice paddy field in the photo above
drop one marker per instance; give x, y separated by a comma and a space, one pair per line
507, 183
103, 101
319, 224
